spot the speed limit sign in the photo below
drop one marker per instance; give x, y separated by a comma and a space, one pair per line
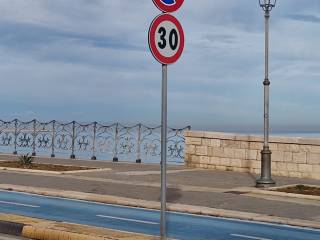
166, 39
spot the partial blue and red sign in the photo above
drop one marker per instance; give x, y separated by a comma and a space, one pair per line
168, 5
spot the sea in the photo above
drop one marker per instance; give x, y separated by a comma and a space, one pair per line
132, 157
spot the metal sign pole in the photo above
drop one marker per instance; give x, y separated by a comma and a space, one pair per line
160, 34
163, 228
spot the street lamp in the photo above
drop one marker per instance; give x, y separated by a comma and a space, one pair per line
267, 5
265, 180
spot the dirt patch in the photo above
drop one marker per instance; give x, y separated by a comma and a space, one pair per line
45, 167
301, 189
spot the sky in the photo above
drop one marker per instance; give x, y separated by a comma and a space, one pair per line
88, 60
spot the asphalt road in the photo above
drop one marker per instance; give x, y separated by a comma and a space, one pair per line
180, 226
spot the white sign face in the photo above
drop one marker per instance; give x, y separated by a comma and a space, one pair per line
166, 39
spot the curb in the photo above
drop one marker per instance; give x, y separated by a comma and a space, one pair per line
273, 192
53, 172
49, 234
77, 159
191, 209
11, 228
32, 228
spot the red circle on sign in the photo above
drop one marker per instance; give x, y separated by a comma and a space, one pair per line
154, 45
168, 5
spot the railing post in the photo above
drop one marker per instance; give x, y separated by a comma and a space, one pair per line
53, 138
34, 135
15, 152
94, 141
115, 150
73, 156
138, 160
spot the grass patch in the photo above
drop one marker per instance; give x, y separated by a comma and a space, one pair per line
301, 189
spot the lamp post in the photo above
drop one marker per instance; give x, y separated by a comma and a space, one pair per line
265, 180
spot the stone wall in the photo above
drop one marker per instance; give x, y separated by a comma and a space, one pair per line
291, 156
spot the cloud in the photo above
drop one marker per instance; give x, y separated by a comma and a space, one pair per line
305, 18
89, 60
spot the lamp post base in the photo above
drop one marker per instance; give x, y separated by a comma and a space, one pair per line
265, 183
265, 179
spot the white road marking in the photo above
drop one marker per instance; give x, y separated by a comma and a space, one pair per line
249, 237
128, 219
19, 204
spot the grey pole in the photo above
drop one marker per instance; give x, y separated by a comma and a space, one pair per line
265, 179
34, 136
73, 156
163, 224
138, 160
53, 137
116, 140
15, 152
94, 141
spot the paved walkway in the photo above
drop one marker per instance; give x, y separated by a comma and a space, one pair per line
209, 188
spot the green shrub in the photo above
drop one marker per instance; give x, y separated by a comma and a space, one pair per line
26, 160
301, 188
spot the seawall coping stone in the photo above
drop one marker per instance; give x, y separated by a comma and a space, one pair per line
253, 138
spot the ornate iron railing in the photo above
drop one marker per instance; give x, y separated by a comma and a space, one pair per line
79, 139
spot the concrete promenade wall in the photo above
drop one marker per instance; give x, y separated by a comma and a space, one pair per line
291, 156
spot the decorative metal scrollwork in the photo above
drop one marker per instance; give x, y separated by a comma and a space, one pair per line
63, 136
92, 139
6, 139
43, 135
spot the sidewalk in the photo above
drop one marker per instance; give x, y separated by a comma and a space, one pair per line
205, 188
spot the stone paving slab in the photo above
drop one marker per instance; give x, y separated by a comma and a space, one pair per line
206, 178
